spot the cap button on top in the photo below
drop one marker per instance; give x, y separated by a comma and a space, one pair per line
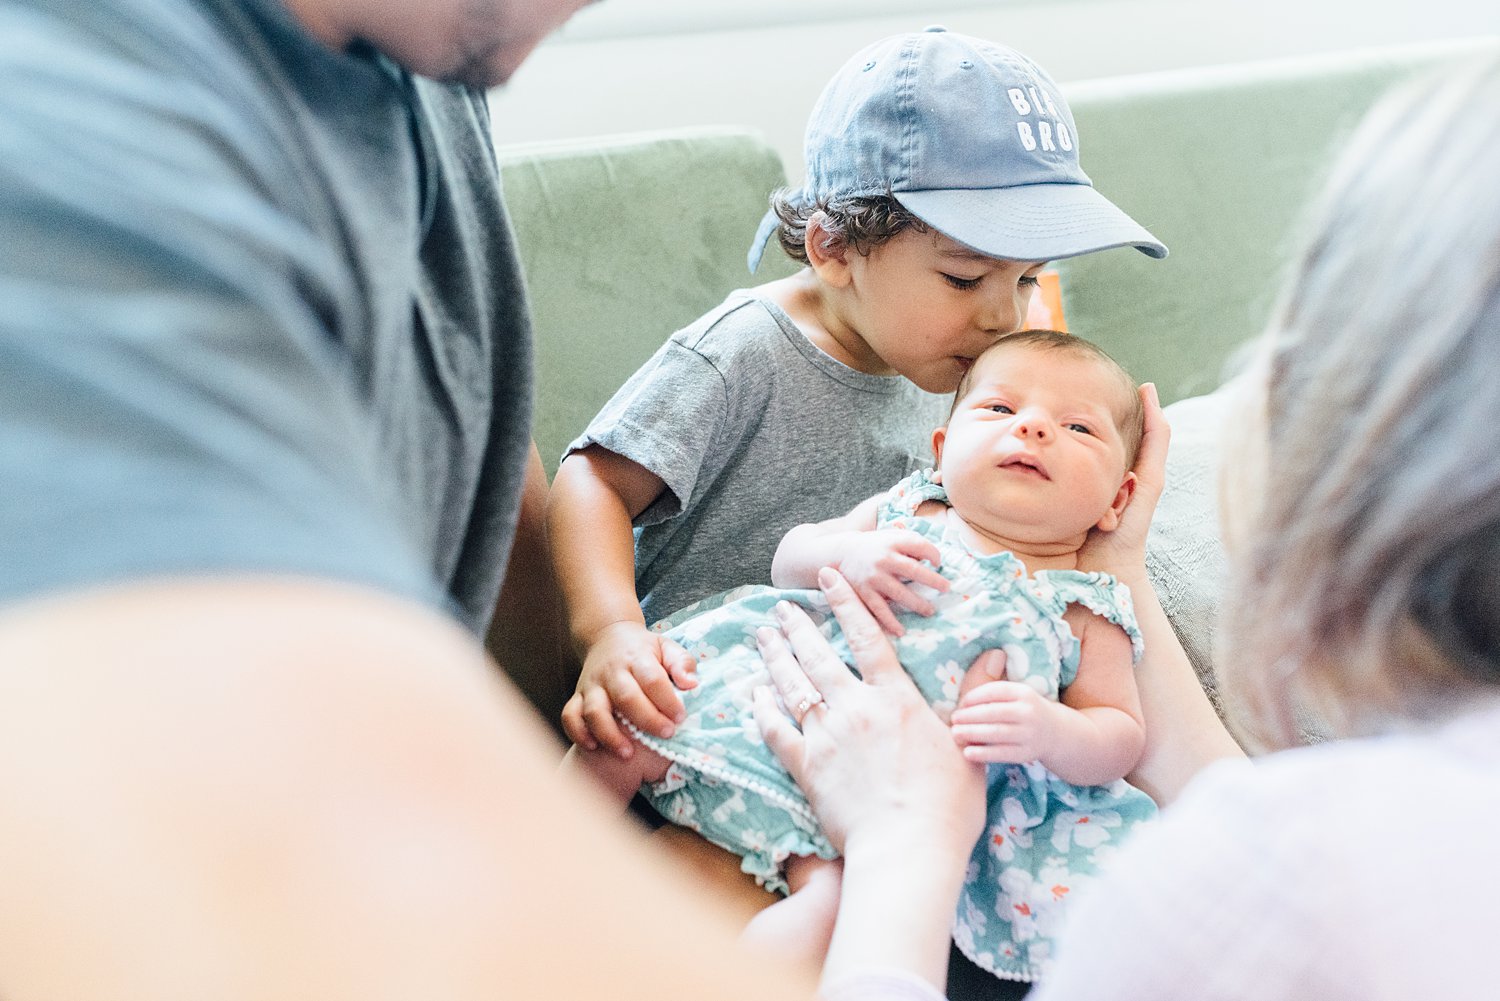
934, 27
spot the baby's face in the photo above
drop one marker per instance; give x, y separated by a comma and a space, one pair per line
1033, 451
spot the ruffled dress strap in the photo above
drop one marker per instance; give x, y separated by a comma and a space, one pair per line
1102, 594
900, 503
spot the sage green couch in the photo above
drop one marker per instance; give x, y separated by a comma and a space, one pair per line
626, 238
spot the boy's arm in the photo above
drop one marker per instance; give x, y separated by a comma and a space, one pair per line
595, 497
877, 563
1094, 735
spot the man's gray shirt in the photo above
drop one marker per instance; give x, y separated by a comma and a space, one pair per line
259, 309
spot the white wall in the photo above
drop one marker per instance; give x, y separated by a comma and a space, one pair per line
630, 65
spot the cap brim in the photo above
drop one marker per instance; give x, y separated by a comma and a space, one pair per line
1031, 222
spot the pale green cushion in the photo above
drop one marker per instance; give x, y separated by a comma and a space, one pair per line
624, 240
1218, 163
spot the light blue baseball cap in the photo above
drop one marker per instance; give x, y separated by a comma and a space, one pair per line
973, 138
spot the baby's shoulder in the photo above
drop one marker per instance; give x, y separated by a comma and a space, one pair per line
931, 509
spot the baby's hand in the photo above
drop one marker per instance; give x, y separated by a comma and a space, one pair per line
1005, 722
880, 564
632, 671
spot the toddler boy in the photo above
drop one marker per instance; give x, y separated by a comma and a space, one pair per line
942, 173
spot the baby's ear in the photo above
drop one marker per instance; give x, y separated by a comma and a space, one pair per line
1111, 519
938, 437
827, 254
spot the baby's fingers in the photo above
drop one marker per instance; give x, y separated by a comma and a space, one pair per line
648, 699
898, 593
574, 726
599, 716
922, 558
992, 692
997, 754
680, 665
878, 607
921, 573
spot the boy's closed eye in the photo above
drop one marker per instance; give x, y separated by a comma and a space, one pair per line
960, 282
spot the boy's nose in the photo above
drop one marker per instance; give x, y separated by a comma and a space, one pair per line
1003, 314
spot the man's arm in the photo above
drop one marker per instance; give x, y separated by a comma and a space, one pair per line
266, 788
528, 635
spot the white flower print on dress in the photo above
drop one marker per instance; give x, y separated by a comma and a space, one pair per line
1035, 853
1086, 830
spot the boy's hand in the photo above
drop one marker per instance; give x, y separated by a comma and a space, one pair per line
1005, 722
880, 564
632, 671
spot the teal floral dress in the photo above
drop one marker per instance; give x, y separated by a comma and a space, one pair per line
1043, 836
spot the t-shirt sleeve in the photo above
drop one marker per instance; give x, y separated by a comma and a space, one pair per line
669, 418
172, 398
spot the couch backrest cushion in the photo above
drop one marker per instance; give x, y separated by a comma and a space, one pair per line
624, 240
1219, 163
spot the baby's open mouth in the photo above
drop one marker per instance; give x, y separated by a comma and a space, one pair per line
1025, 464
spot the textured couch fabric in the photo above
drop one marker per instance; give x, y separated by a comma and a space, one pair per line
1219, 163
624, 240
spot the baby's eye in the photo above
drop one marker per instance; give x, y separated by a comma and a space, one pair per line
963, 284
1080, 428
1000, 408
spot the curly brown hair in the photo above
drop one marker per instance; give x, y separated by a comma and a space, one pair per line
860, 224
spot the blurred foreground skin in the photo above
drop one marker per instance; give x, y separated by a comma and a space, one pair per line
201, 806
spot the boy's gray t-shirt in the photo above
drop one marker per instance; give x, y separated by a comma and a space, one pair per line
261, 310
754, 431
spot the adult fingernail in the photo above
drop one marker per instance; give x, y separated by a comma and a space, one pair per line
994, 667
826, 577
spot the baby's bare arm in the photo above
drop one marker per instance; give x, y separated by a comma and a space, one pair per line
1093, 736
879, 563
809, 548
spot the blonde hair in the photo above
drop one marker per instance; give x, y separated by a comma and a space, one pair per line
1366, 585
